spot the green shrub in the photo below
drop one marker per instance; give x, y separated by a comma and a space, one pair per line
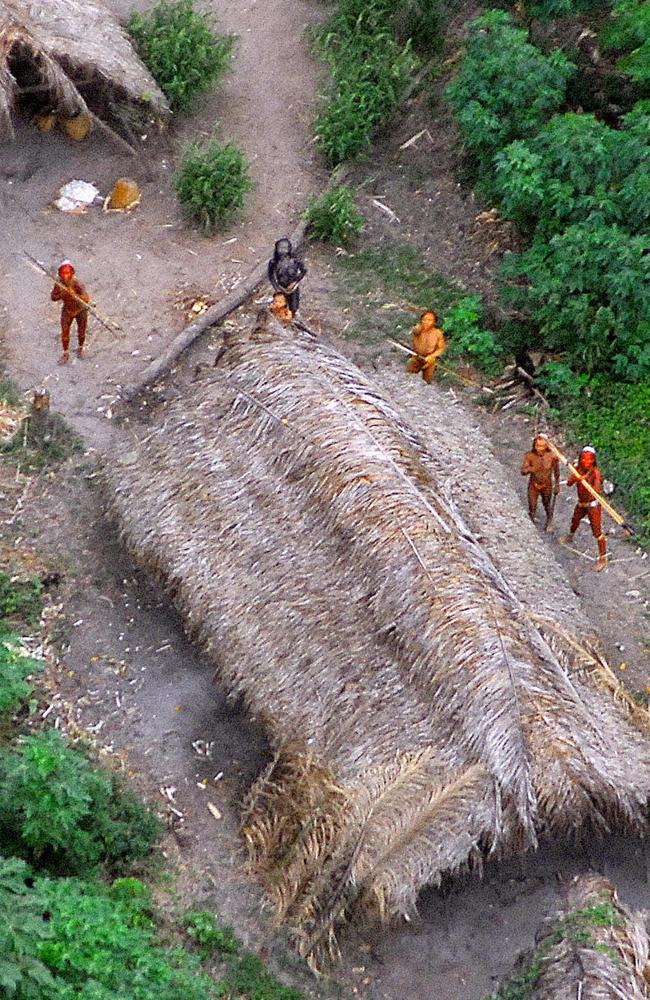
369, 71
20, 599
15, 667
558, 382
333, 217
180, 50
22, 930
575, 169
550, 10
629, 32
587, 290
506, 88
201, 927
211, 182
249, 978
58, 810
421, 21
462, 324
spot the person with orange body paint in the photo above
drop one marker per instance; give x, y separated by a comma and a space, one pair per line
586, 505
429, 343
72, 294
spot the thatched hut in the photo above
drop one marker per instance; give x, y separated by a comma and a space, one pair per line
422, 714
594, 948
61, 50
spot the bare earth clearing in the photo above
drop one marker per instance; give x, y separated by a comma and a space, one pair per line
127, 675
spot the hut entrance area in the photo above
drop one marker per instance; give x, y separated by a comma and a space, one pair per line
427, 708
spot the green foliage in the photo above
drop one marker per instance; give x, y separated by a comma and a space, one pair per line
462, 324
180, 49
58, 810
615, 417
559, 382
211, 182
550, 10
15, 667
10, 393
369, 71
20, 599
576, 169
22, 930
201, 927
248, 978
588, 291
506, 88
628, 32
421, 21
333, 217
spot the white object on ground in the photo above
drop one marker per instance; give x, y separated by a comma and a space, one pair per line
75, 196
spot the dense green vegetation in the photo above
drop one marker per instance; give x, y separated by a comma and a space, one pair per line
579, 191
333, 217
211, 182
181, 50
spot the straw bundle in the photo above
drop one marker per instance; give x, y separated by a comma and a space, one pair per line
420, 717
70, 42
595, 949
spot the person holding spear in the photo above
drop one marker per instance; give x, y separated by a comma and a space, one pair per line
587, 474
75, 300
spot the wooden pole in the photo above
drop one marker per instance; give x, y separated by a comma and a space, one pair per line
597, 496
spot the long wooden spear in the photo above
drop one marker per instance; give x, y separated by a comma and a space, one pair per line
597, 496
110, 325
450, 371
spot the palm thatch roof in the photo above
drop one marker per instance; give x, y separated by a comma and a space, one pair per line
422, 715
69, 42
594, 948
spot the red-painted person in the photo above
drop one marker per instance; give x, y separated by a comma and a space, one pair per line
587, 506
73, 294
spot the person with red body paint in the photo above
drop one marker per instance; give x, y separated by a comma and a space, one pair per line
73, 295
587, 506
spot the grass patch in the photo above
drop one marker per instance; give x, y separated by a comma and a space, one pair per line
334, 217
21, 601
211, 182
201, 927
247, 977
38, 443
15, 668
180, 49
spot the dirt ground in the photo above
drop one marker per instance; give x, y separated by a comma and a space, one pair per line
126, 675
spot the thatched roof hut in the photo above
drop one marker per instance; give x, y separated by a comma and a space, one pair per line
59, 48
422, 714
594, 948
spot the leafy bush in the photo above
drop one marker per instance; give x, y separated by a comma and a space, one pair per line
20, 598
422, 22
333, 217
201, 927
462, 324
67, 939
550, 10
211, 182
55, 808
506, 88
180, 50
558, 382
629, 32
588, 292
15, 667
249, 978
574, 169
369, 71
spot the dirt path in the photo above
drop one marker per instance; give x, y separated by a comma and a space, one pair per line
138, 266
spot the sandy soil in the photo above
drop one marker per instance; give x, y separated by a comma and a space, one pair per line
126, 674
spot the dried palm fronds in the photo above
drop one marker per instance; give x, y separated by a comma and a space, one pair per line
70, 41
420, 715
594, 949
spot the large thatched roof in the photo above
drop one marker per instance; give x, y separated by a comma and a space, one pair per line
594, 948
423, 715
70, 42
